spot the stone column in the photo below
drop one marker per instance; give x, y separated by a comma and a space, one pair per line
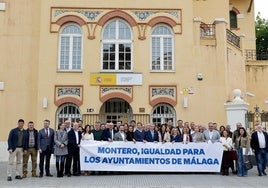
236, 110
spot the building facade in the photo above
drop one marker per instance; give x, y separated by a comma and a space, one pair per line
121, 60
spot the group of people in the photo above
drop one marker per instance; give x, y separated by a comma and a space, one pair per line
65, 143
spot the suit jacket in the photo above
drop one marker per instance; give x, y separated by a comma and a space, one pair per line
58, 139
72, 144
176, 138
130, 136
254, 143
106, 134
118, 137
150, 138
44, 140
13, 139
139, 136
215, 136
35, 139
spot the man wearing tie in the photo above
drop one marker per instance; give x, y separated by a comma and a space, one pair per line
45, 147
151, 135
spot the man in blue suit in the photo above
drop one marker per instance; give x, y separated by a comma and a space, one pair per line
151, 135
139, 133
45, 147
175, 137
108, 133
16, 147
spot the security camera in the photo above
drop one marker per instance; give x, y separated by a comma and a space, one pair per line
199, 76
249, 94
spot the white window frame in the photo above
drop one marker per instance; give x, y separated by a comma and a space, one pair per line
70, 69
117, 42
162, 50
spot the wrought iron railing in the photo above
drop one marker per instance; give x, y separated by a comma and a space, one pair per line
233, 38
207, 30
256, 55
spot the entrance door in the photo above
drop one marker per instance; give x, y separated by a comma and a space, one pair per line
161, 113
115, 110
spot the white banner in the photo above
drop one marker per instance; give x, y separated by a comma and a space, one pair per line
168, 157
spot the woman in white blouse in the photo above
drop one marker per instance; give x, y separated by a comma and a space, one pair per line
227, 146
166, 137
87, 135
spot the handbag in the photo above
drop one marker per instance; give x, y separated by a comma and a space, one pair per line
231, 155
248, 165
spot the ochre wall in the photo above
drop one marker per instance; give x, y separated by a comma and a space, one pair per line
29, 59
19, 50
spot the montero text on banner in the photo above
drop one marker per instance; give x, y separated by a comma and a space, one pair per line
168, 157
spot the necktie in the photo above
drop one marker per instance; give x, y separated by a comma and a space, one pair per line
47, 132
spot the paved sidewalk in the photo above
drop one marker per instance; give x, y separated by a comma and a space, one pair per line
139, 180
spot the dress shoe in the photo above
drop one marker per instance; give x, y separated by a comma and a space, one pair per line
259, 174
264, 173
34, 175
68, 175
40, 175
18, 177
9, 178
24, 175
49, 175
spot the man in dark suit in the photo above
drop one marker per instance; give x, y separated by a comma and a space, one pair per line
108, 133
151, 135
139, 133
175, 136
45, 147
74, 139
259, 144
179, 126
16, 147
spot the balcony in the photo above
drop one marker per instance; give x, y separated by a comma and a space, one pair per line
207, 30
253, 55
233, 38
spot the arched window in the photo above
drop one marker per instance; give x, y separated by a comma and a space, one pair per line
162, 49
68, 111
70, 48
117, 46
233, 19
161, 113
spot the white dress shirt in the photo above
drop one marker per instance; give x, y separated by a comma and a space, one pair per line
261, 139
